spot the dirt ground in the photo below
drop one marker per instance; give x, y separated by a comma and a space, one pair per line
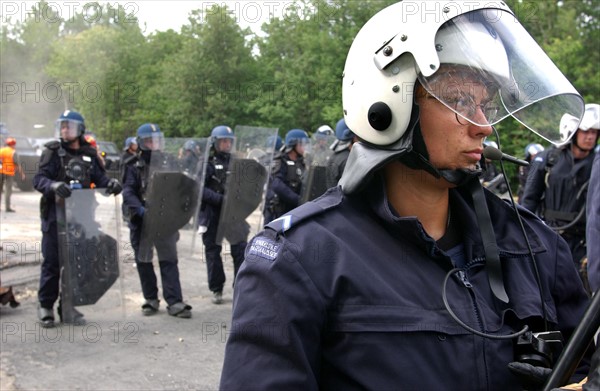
118, 348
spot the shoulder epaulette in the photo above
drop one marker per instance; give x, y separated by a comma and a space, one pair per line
89, 150
332, 198
53, 145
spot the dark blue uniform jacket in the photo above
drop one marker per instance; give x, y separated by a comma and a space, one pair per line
351, 298
593, 226
214, 188
51, 171
288, 193
567, 177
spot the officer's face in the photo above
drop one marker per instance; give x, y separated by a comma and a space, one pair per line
224, 145
587, 140
69, 130
450, 143
300, 148
152, 143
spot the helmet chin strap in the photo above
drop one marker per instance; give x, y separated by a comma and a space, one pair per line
418, 157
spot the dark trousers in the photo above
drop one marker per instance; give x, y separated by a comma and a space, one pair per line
167, 261
50, 273
214, 262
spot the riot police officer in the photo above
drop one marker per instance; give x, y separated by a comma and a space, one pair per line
286, 177
135, 185
222, 139
531, 151
190, 157
410, 274
319, 151
341, 150
66, 164
558, 179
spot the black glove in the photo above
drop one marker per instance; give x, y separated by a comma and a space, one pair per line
531, 377
113, 187
61, 189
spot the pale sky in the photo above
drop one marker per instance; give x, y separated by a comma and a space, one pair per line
160, 14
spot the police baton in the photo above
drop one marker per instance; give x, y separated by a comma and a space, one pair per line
576, 347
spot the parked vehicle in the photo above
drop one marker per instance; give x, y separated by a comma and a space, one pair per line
112, 158
39, 142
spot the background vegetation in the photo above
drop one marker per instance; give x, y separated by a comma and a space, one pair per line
215, 72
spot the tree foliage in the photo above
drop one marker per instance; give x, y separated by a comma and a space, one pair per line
214, 72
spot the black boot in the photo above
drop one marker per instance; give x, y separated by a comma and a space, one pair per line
46, 317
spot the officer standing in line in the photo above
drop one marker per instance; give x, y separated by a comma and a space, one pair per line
285, 186
222, 139
130, 148
558, 179
319, 151
341, 150
411, 275
531, 151
64, 162
190, 157
135, 184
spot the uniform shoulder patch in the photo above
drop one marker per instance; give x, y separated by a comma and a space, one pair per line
263, 248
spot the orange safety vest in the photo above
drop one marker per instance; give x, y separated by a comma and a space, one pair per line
8, 164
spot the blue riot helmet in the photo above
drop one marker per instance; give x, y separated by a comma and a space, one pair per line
150, 138
190, 145
274, 142
342, 132
295, 137
129, 141
69, 126
222, 138
531, 150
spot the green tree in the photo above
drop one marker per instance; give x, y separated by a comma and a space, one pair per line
97, 70
302, 57
29, 95
207, 78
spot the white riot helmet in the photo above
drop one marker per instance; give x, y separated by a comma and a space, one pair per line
591, 117
411, 39
570, 124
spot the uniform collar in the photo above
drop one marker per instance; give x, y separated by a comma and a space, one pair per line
508, 234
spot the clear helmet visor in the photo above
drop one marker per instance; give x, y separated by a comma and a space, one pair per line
224, 144
67, 130
302, 146
152, 142
492, 68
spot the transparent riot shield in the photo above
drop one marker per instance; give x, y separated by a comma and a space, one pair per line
88, 236
240, 213
173, 180
316, 158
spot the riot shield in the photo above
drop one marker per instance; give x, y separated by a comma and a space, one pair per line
240, 214
88, 237
314, 183
172, 191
